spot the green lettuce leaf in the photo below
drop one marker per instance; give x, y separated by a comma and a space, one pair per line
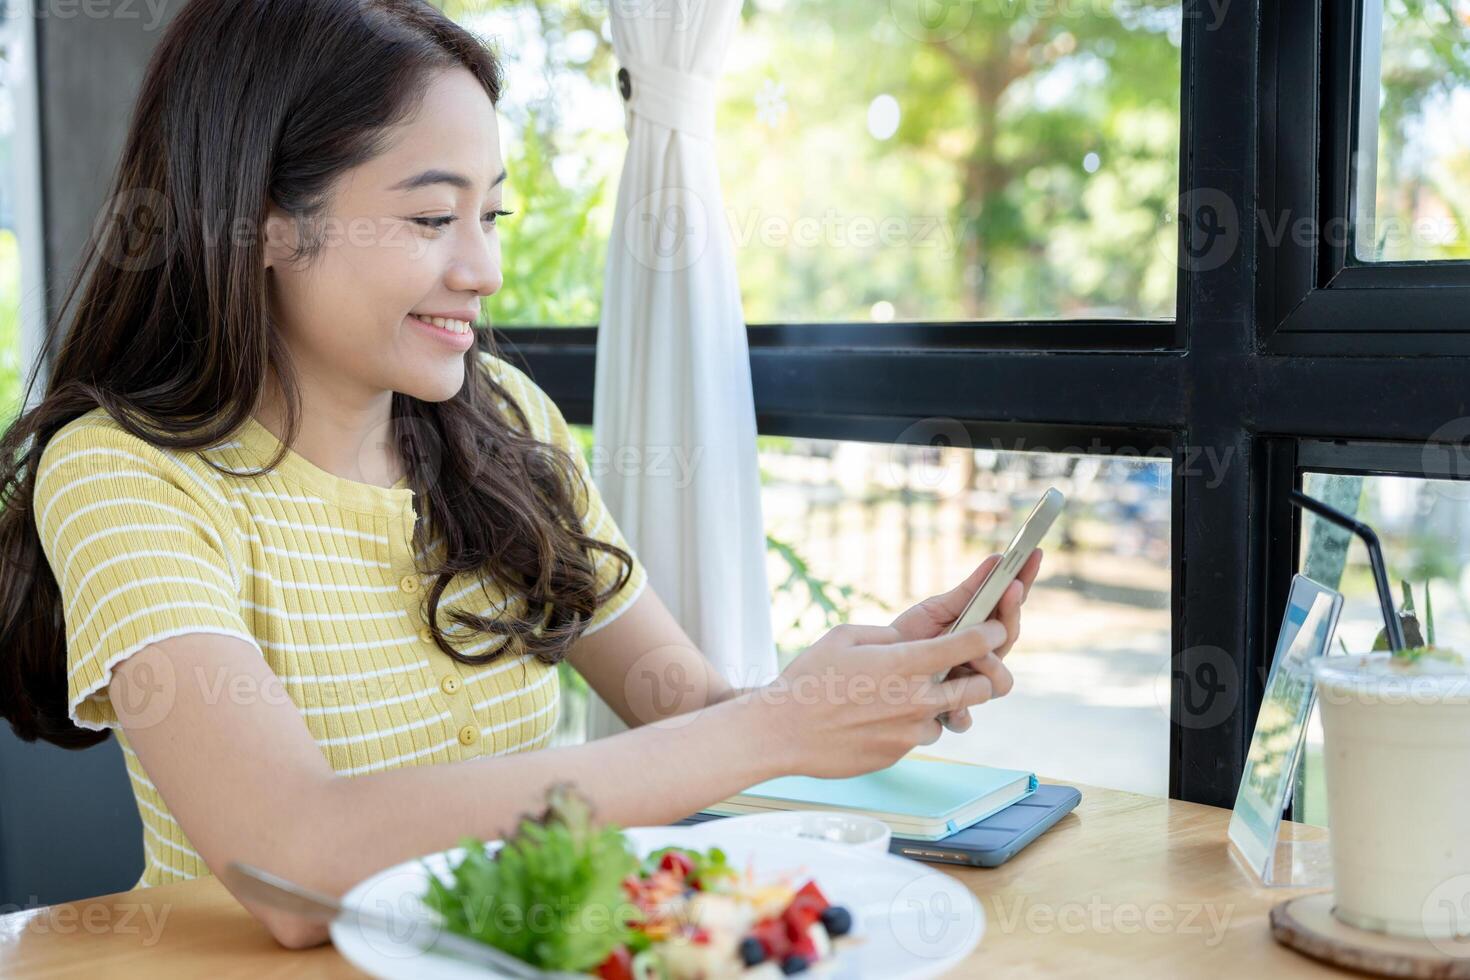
551, 895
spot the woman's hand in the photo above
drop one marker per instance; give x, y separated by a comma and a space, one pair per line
861, 697
932, 616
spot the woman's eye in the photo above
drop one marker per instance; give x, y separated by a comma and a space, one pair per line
442, 221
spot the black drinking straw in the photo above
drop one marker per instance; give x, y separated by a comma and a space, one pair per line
1375, 558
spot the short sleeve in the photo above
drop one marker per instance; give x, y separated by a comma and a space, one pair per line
140, 550
550, 426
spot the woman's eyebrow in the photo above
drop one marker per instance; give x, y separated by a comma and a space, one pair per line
441, 177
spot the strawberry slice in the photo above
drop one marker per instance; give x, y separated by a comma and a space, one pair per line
678, 863
805, 946
801, 913
805, 908
618, 965
771, 933
811, 891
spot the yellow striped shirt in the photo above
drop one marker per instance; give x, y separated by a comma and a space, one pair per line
317, 572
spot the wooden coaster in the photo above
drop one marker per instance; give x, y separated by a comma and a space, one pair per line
1307, 925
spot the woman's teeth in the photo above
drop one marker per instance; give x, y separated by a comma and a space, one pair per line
453, 326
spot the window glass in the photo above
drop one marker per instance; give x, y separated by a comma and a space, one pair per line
14, 70
858, 532
881, 160
1424, 529
1413, 139
881, 527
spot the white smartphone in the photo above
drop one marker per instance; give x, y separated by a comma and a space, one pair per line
1033, 529
1004, 572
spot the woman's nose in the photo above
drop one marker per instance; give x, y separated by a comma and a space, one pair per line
476, 265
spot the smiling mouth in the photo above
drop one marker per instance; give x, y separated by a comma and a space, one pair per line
445, 323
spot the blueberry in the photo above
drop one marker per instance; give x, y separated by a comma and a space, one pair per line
751, 951
793, 963
837, 920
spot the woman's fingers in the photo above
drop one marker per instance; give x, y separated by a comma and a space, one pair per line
1009, 614
959, 693
1028, 572
1001, 680
946, 607
929, 732
958, 597
958, 696
948, 650
995, 681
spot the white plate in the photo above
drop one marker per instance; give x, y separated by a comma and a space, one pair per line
914, 921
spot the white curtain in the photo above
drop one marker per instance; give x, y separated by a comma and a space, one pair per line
674, 419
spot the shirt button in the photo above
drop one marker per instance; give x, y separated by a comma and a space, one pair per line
426, 635
468, 735
409, 583
449, 684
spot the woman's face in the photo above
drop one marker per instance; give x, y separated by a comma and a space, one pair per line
410, 231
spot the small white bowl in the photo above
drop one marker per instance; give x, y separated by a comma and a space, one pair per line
841, 828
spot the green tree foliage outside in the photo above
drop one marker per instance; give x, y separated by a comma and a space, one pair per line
11, 370
1422, 177
1024, 166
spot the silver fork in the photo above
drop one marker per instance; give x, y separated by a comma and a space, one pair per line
250, 882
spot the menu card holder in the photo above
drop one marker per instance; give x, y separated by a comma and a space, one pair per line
1277, 743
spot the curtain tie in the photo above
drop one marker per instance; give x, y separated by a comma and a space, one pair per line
668, 97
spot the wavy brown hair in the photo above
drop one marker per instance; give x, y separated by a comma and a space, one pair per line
244, 103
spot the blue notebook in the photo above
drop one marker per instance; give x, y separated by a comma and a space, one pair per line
922, 799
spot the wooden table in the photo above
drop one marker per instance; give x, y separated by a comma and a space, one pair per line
1127, 885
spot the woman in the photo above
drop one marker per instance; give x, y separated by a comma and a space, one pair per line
310, 550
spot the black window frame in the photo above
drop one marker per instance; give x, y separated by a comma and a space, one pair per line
1316, 297
1220, 378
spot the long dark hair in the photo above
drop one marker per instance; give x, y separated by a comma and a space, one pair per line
247, 102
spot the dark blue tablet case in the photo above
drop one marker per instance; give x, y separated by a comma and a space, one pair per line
992, 841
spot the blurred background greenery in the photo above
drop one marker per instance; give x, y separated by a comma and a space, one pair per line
11, 372
1422, 175
1025, 166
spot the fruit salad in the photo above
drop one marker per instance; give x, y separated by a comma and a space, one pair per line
697, 919
567, 894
